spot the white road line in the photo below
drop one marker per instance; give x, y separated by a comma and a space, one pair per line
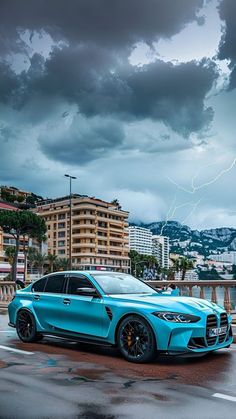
224, 396
18, 351
7, 331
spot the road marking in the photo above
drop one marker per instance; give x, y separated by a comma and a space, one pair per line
224, 396
7, 331
19, 351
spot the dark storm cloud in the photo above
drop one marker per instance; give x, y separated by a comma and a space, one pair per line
9, 82
100, 85
109, 22
84, 140
92, 71
227, 48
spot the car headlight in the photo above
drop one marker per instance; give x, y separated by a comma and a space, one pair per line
176, 317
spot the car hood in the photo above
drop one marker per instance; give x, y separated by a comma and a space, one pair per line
174, 304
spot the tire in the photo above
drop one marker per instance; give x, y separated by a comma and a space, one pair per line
26, 327
136, 340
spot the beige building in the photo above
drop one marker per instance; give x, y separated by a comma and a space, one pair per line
99, 232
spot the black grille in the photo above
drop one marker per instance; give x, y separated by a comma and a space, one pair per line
223, 323
196, 343
109, 312
211, 323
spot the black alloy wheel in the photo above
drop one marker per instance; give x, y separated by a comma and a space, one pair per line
26, 327
136, 339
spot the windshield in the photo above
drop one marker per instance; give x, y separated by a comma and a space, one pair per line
122, 284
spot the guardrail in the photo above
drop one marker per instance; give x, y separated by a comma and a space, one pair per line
213, 289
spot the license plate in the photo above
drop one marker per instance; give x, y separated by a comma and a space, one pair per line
217, 331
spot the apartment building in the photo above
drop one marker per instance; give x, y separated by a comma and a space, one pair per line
99, 232
8, 240
161, 250
140, 239
11, 190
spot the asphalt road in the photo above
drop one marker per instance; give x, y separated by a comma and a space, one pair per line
58, 379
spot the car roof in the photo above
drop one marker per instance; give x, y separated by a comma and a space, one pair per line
89, 272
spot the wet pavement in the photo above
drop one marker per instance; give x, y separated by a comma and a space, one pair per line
63, 379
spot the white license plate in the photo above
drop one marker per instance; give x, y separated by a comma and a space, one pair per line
217, 331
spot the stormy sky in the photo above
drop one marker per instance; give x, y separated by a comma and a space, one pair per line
135, 98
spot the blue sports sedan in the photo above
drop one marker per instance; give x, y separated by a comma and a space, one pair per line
117, 309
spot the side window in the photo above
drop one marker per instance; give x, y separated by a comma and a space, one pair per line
39, 285
55, 284
78, 282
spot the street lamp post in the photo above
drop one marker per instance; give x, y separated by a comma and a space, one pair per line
70, 217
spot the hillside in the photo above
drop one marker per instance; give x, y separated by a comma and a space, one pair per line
182, 238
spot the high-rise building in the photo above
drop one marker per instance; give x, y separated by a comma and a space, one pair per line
99, 232
161, 250
140, 239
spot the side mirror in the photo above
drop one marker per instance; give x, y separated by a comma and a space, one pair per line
90, 292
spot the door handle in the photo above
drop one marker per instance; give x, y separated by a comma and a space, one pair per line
66, 301
36, 297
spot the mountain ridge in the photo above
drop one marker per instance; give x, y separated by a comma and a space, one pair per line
184, 239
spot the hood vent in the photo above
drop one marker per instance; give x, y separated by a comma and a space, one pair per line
109, 312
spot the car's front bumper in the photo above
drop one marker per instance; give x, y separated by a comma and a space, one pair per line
190, 337
192, 341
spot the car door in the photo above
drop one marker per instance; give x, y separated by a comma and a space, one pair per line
83, 313
48, 304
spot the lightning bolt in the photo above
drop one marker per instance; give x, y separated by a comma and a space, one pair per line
203, 185
173, 208
194, 188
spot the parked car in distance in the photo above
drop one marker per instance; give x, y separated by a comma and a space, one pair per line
112, 308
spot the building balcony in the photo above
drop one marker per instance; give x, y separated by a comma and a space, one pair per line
84, 217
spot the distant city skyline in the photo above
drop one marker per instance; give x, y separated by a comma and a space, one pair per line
136, 99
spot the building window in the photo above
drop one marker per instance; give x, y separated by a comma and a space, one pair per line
61, 233
61, 251
61, 243
61, 225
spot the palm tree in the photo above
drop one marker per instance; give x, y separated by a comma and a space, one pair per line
185, 265
52, 259
40, 262
61, 264
31, 257
10, 253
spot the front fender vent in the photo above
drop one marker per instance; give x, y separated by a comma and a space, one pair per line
109, 312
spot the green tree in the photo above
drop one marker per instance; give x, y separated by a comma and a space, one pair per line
138, 262
180, 264
20, 198
52, 259
10, 253
209, 275
184, 265
234, 271
31, 257
117, 203
40, 262
20, 223
61, 264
